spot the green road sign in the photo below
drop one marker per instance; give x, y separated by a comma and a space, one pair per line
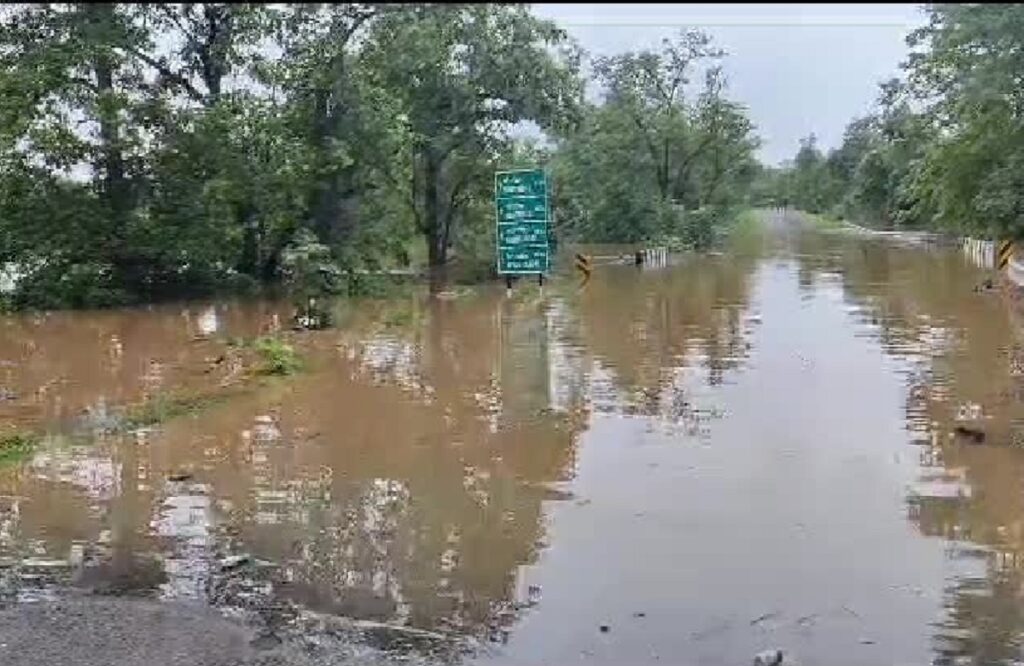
521, 207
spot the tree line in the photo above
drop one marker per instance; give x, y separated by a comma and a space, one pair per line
945, 148
150, 151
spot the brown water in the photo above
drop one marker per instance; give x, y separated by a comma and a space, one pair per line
738, 452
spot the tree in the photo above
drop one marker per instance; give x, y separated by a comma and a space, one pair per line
967, 76
650, 89
657, 157
70, 89
463, 74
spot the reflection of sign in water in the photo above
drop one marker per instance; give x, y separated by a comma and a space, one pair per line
521, 205
524, 365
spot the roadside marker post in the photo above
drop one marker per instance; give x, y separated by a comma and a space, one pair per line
1005, 253
584, 265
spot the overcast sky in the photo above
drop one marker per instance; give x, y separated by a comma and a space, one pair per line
799, 68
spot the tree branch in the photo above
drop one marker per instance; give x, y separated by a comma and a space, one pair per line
168, 74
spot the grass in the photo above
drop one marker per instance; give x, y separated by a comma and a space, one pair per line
16, 447
277, 357
746, 224
165, 407
821, 221
399, 318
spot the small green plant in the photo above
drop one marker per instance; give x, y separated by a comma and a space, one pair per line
278, 357
745, 225
162, 408
823, 221
15, 447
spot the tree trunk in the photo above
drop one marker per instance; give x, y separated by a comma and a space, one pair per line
214, 52
433, 216
434, 223
109, 164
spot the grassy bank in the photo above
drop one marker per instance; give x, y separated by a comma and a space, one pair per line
823, 221
746, 225
17, 446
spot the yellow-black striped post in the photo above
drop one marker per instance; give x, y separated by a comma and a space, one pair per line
1005, 253
584, 266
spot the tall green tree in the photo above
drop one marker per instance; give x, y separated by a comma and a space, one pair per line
659, 156
966, 72
463, 74
70, 92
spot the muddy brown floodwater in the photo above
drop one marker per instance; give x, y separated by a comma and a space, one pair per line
686, 464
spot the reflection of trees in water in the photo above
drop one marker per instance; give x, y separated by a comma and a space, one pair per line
984, 620
922, 309
484, 448
58, 364
402, 478
652, 330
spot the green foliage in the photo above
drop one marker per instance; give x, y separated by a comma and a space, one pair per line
822, 221
277, 357
745, 224
656, 158
461, 75
164, 407
156, 151
946, 147
16, 447
149, 151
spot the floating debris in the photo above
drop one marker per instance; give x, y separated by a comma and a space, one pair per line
233, 562
76, 556
761, 618
768, 658
973, 435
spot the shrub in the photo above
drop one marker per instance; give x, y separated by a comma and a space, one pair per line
15, 447
278, 357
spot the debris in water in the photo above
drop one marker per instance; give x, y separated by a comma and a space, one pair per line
401, 629
973, 434
639, 614
604, 628
43, 563
214, 363
807, 619
970, 411
867, 641
233, 562
265, 641
768, 658
761, 618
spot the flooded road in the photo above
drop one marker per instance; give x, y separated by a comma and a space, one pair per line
686, 464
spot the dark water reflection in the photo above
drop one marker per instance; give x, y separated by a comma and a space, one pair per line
741, 451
